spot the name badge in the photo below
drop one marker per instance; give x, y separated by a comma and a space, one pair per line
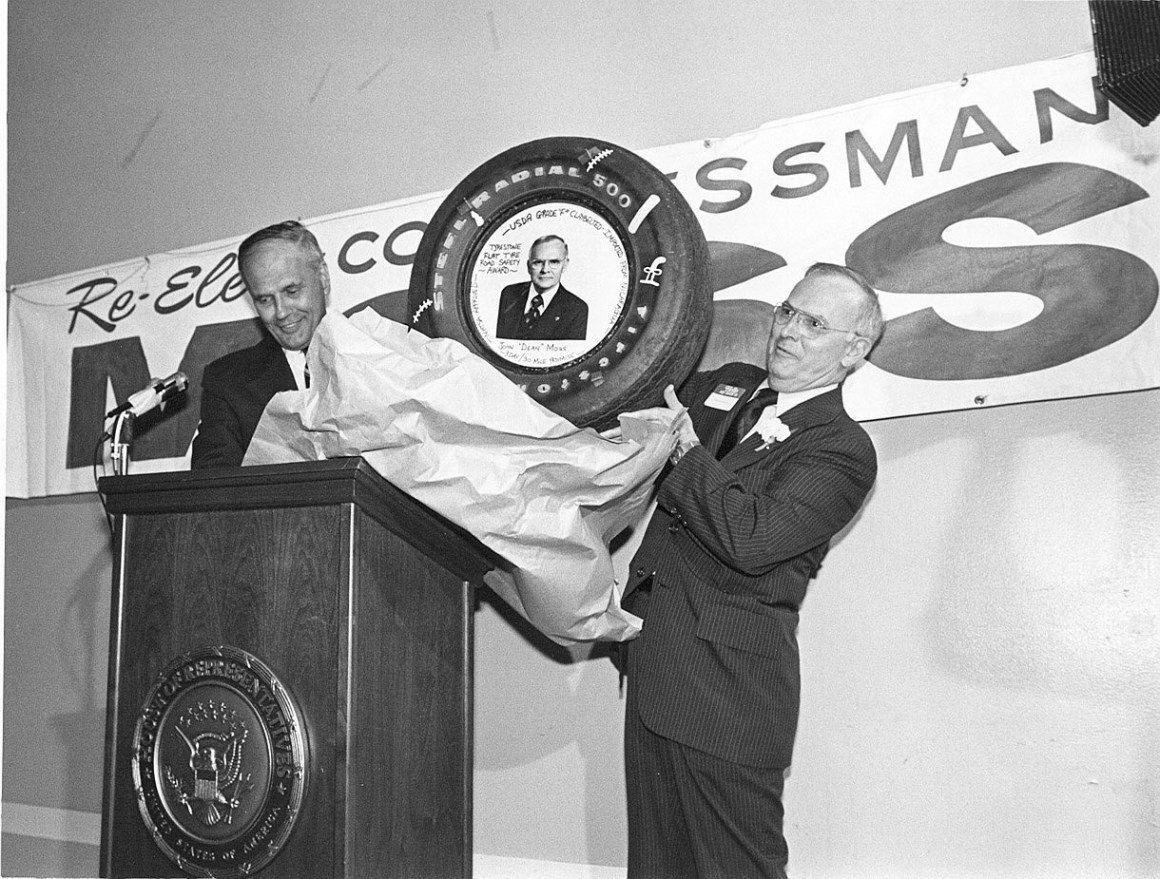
724, 397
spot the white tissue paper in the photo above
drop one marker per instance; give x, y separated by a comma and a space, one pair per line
442, 425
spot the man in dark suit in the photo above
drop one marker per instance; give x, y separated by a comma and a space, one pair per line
542, 309
289, 284
744, 518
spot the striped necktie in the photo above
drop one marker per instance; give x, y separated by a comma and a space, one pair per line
534, 311
746, 418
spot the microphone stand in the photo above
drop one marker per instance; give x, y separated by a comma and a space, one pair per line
121, 438
151, 397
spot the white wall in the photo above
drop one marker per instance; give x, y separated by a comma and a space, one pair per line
981, 651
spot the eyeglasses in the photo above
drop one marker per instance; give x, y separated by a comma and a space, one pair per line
812, 326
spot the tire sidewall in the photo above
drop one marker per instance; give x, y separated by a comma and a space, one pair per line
642, 239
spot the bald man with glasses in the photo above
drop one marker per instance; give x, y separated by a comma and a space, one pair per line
767, 468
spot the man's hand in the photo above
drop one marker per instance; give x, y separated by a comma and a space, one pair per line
672, 417
682, 426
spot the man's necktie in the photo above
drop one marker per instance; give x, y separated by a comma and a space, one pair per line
746, 418
305, 368
534, 311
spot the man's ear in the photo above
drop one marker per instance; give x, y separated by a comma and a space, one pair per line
856, 352
324, 277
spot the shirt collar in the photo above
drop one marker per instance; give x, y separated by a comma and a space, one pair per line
548, 297
297, 361
786, 400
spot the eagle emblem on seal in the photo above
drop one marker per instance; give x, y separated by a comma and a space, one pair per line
212, 783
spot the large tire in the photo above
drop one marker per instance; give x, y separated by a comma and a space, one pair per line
636, 256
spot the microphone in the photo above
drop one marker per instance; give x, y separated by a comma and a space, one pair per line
153, 395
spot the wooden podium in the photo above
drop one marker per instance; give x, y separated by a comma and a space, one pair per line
310, 600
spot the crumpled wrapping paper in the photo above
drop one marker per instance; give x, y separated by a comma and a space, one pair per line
441, 424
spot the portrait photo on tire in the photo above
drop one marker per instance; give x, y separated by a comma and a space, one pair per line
576, 268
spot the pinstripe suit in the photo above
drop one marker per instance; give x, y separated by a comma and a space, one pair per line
726, 560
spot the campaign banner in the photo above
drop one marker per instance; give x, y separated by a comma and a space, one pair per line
1007, 219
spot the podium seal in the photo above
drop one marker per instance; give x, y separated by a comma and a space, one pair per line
219, 762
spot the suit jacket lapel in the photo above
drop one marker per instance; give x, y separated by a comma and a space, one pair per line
275, 374
552, 314
713, 424
821, 409
717, 423
553, 308
508, 324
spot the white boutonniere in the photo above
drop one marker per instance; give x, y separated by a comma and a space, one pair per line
771, 428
